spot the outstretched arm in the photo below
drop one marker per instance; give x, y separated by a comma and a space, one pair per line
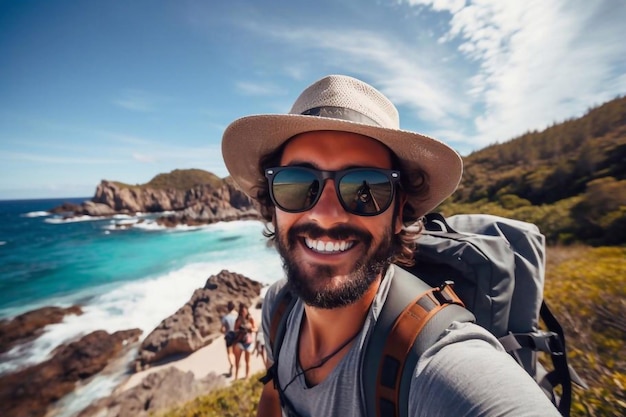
269, 404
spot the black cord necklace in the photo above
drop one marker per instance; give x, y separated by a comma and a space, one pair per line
323, 360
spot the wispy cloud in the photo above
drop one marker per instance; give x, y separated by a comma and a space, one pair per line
126, 138
140, 101
539, 61
254, 89
517, 65
416, 79
143, 158
34, 157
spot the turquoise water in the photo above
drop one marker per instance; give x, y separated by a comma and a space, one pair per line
123, 278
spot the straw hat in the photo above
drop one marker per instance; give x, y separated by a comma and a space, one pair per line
342, 103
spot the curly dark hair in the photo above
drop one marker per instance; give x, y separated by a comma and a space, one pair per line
412, 182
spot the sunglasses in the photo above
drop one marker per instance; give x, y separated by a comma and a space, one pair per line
361, 191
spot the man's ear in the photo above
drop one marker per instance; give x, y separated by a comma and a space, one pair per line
399, 210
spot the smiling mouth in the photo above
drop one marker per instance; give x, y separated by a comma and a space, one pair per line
328, 247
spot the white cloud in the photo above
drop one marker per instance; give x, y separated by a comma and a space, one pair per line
255, 89
143, 158
140, 101
439, 5
539, 61
498, 68
72, 160
410, 77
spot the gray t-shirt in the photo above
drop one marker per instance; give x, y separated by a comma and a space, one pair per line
229, 321
466, 373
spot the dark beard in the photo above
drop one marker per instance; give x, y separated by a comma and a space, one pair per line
366, 269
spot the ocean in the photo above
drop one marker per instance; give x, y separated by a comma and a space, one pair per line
126, 272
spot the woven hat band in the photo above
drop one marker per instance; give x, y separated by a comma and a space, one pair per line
341, 113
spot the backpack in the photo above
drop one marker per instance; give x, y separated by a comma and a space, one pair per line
497, 267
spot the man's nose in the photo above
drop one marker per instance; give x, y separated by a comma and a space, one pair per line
328, 210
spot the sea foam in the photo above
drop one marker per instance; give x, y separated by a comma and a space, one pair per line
145, 303
36, 214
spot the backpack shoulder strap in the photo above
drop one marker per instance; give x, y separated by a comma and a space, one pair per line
283, 303
406, 327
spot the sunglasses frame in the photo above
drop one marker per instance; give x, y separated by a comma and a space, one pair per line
322, 175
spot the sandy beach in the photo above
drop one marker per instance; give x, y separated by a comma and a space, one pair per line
211, 358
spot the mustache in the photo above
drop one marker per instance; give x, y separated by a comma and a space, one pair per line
340, 232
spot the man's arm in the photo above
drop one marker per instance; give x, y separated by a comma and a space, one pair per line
269, 404
467, 373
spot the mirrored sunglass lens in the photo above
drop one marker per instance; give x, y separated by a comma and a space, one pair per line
295, 189
365, 192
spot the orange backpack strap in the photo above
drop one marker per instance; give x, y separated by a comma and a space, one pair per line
405, 328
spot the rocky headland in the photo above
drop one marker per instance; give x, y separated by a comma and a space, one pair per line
197, 323
191, 197
35, 391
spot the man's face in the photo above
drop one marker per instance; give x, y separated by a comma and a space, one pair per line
332, 257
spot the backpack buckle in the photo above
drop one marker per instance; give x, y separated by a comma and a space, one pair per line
444, 293
548, 342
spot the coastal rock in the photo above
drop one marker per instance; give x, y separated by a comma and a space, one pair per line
31, 391
66, 208
158, 391
96, 209
199, 204
205, 205
198, 322
30, 325
126, 199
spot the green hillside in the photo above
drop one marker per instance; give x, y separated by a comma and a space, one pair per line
179, 179
570, 178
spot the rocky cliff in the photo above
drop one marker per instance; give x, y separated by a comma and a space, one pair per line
197, 323
204, 203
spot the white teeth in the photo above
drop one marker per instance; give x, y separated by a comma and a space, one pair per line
328, 247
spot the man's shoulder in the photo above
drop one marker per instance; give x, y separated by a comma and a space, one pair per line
471, 369
273, 291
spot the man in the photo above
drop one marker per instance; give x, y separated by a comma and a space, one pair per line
228, 328
338, 182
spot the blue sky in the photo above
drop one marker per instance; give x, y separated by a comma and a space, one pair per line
124, 90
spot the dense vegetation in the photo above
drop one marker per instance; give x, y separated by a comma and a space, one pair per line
179, 179
586, 289
570, 180
238, 400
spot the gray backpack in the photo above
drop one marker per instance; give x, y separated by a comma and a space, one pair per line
497, 267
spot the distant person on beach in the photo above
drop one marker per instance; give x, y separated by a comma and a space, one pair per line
259, 346
244, 342
339, 184
228, 328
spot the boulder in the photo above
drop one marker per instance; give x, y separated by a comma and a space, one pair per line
30, 325
66, 208
29, 392
198, 322
96, 209
158, 391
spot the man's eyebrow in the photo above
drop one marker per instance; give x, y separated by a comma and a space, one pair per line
302, 164
306, 164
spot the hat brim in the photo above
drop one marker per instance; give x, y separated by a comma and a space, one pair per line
248, 139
